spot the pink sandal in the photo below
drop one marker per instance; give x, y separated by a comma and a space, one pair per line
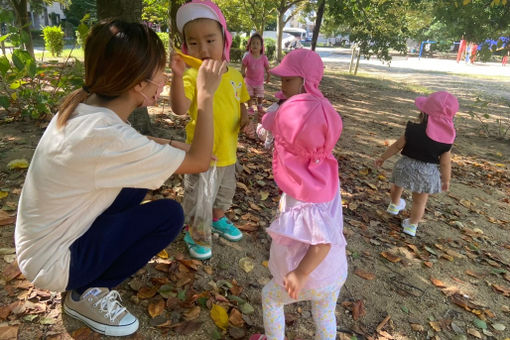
258, 337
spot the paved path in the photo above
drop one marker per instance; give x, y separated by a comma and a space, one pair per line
489, 80
343, 56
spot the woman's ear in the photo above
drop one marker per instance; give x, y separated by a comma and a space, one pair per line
140, 86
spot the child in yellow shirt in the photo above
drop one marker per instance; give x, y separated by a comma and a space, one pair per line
206, 36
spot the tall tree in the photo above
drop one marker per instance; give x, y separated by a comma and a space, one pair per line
130, 11
318, 21
78, 9
282, 6
376, 26
245, 15
23, 21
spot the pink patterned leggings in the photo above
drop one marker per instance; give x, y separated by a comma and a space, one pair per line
323, 301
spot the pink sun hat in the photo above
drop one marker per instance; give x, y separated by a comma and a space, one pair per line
306, 129
303, 63
440, 107
203, 9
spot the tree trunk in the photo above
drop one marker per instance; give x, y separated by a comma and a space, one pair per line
21, 11
127, 10
130, 11
318, 22
279, 33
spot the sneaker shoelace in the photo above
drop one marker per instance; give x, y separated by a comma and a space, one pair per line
110, 306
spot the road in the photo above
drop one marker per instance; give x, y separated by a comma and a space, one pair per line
407, 64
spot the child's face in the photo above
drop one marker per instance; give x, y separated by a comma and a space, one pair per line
255, 46
204, 39
292, 86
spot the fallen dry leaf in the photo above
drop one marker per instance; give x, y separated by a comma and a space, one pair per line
11, 271
473, 274
156, 308
435, 325
163, 254
500, 289
219, 316
192, 313
236, 318
364, 275
6, 219
474, 332
9, 332
358, 309
437, 282
390, 257
147, 292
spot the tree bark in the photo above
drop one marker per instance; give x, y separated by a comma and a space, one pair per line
127, 10
130, 11
318, 22
279, 32
21, 11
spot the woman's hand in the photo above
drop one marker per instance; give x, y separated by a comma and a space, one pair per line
209, 76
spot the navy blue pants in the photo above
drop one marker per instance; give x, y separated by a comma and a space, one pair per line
122, 240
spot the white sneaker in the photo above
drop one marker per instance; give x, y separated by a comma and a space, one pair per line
395, 209
99, 309
408, 228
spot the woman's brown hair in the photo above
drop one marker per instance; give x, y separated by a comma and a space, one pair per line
118, 56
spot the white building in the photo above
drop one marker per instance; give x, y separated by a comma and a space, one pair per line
52, 15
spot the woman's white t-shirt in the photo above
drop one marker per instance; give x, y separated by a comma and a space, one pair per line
76, 173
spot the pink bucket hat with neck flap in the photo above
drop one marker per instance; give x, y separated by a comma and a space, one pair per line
440, 108
302, 63
203, 9
306, 129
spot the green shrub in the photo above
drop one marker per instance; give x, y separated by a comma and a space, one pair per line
54, 39
270, 48
29, 90
243, 43
164, 38
236, 41
236, 55
83, 31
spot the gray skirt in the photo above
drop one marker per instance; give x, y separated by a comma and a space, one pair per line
417, 176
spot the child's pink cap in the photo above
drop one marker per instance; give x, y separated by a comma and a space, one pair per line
440, 107
302, 63
306, 129
203, 9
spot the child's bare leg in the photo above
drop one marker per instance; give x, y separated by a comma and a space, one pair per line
217, 214
251, 102
395, 194
418, 208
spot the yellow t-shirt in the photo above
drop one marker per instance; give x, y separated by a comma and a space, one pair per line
227, 112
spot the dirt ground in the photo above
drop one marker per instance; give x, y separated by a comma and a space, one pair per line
450, 282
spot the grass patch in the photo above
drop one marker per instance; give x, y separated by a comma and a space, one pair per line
76, 53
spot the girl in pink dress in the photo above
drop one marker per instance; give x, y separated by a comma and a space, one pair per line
307, 257
255, 64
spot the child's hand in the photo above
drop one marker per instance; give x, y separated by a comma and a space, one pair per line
209, 75
293, 283
379, 162
445, 186
177, 64
244, 121
268, 77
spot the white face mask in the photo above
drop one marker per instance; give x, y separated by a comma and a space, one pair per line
151, 101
